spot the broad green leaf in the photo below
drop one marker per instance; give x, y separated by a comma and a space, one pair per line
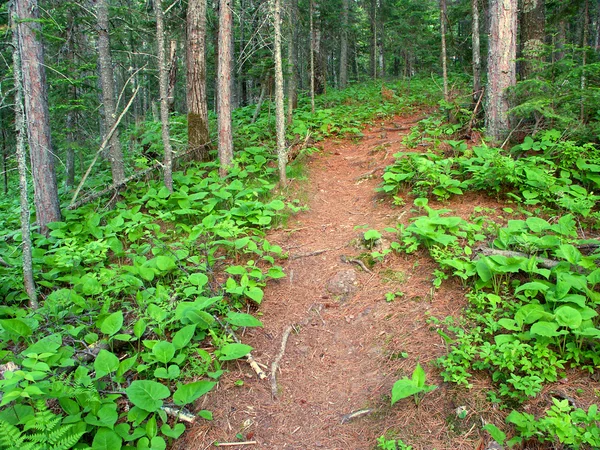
113, 323
163, 351
532, 286
547, 329
234, 351
105, 363
372, 235
537, 225
509, 324
151, 427
198, 279
404, 388
567, 316
184, 336
106, 439
188, 393
49, 344
139, 328
255, 293
418, 376
243, 320
147, 395
16, 327
497, 435
165, 263
173, 433
531, 313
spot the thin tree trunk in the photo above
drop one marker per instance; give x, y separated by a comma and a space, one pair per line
501, 66
444, 56
292, 62
344, 45
71, 113
476, 52
28, 280
198, 135
373, 54
279, 112
224, 80
172, 74
115, 154
584, 45
36, 111
312, 56
261, 99
163, 76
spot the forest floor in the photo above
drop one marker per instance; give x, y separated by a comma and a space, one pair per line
348, 345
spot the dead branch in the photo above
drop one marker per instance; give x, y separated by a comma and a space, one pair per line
234, 444
180, 414
371, 172
356, 261
543, 262
104, 144
307, 255
355, 414
470, 127
277, 360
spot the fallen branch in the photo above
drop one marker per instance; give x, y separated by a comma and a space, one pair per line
543, 262
180, 414
355, 414
284, 339
470, 127
277, 360
233, 444
355, 261
369, 173
306, 255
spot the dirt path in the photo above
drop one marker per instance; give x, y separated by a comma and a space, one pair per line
349, 349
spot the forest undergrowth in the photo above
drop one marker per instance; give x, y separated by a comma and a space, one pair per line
144, 295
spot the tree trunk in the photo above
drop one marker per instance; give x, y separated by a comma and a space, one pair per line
344, 45
312, 56
36, 111
279, 112
320, 67
71, 119
373, 49
198, 136
28, 280
584, 45
261, 98
292, 62
532, 36
163, 76
444, 56
476, 53
224, 80
115, 154
501, 66
172, 75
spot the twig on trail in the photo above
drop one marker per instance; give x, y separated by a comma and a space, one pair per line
249, 358
277, 360
355, 261
284, 339
355, 213
306, 255
234, 444
180, 414
355, 414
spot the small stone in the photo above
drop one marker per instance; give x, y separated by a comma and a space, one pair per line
343, 283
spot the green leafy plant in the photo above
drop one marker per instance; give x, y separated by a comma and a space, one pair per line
414, 386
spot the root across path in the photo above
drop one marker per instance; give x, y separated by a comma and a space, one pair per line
335, 344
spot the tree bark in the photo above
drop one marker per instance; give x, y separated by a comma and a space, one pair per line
320, 72
224, 79
198, 135
584, 45
476, 52
172, 74
444, 55
115, 153
36, 111
279, 112
501, 66
163, 76
373, 49
532, 35
344, 45
28, 280
312, 56
292, 62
